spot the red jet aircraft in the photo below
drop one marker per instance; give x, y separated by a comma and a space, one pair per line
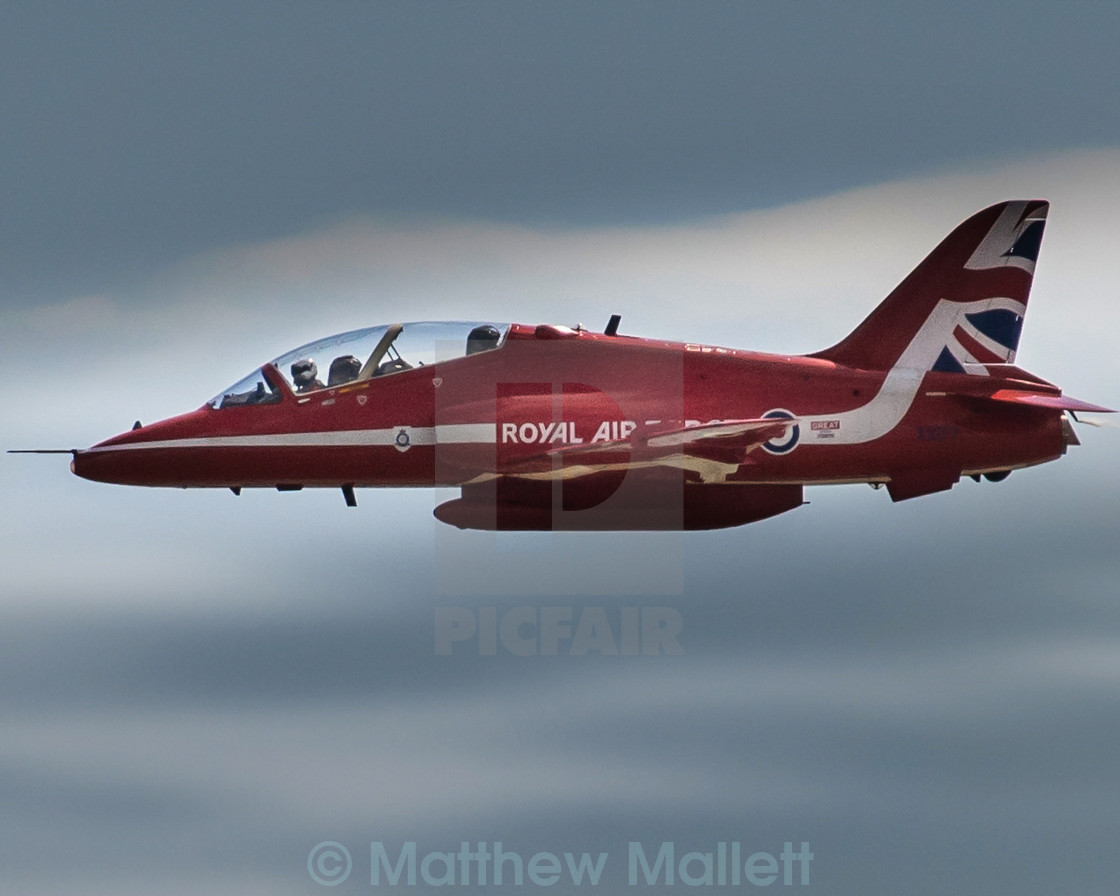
547, 427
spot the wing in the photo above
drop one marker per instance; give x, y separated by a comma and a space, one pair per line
680, 481
710, 450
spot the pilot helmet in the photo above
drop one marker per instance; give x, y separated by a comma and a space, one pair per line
343, 369
304, 372
482, 338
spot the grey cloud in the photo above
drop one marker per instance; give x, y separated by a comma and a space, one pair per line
137, 136
791, 744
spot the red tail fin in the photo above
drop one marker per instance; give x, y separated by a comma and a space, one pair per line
963, 306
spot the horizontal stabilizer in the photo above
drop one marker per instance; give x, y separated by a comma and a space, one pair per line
1040, 400
1007, 384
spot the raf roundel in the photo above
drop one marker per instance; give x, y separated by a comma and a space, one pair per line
788, 442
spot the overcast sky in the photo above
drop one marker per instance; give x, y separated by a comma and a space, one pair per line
196, 690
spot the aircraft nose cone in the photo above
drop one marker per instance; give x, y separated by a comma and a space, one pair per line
159, 454
111, 461
97, 466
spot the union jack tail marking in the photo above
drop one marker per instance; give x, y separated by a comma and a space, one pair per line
963, 306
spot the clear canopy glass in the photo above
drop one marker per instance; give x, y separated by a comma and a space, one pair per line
364, 354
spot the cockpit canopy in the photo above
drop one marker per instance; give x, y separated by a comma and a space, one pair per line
364, 354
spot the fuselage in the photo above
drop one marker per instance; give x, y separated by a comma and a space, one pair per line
514, 408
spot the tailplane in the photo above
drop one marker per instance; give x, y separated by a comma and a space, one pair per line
961, 310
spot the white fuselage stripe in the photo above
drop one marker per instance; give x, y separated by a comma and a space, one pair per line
900, 386
454, 433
